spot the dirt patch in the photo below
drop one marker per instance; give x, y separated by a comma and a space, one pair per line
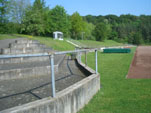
141, 64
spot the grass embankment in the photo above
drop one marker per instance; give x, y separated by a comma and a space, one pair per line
118, 94
96, 44
62, 45
55, 44
6, 36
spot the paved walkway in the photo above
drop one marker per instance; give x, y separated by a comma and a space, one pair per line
141, 64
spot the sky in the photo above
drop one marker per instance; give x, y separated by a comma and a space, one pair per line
103, 7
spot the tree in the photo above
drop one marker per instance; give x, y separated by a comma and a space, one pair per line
101, 31
137, 38
33, 22
77, 25
16, 10
88, 31
3, 13
59, 20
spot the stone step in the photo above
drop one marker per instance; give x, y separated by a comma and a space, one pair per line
24, 50
26, 41
26, 72
28, 59
14, 71
23, 60
26, 45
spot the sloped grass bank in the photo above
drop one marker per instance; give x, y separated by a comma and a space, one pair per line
55, 44
106, 43
118, 94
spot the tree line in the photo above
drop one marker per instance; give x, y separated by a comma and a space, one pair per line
20, 16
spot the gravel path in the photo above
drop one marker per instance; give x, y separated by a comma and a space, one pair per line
141, 64
20, 91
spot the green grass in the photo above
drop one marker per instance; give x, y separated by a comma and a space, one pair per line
62, 45
6, 36
55, 44
91, 43
118, 94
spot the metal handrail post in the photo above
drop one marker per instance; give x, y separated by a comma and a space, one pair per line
96, 62
80, 57
85, 58
53, 76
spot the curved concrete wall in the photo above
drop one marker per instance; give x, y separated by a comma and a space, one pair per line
69, 100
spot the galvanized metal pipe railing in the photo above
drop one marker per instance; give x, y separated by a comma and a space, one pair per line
51, 55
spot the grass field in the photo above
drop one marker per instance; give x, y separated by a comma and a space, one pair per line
118, 94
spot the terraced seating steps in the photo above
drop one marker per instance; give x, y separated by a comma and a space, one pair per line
11, 68
25, 46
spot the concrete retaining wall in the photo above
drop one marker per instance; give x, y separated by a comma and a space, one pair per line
69, 100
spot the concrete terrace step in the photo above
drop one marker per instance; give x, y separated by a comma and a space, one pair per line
22, 46
23, 60
26, 45
40, 86
13, 61
12, 71
26, 41
25, 50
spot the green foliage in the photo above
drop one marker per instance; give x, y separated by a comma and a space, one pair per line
33, 22
77, 25
3, 12
16, 10
137, 38
101, 31
59, 20
88, 31
37, 19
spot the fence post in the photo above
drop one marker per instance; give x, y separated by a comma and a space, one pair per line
80, 57
85, 58
96, 62
53, 76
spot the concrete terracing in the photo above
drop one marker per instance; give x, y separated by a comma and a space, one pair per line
12, 68
25, 83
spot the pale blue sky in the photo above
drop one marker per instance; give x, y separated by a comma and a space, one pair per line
103, 7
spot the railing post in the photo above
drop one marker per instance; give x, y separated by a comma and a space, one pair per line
85, 58
80, 57
53, 76
96, 62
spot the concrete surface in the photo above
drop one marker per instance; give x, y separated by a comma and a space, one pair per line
69, 100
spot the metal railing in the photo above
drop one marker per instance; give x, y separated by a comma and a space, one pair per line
51, 55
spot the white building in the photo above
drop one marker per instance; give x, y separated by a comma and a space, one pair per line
58, 35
